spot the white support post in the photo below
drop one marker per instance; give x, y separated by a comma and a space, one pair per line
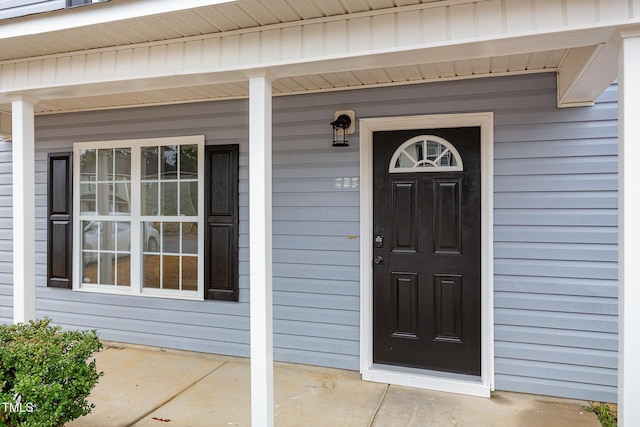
24, 223
629, 231
260, 243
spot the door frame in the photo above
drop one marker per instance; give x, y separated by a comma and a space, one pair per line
426, 379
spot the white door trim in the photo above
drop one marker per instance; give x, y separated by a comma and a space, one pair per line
414, 377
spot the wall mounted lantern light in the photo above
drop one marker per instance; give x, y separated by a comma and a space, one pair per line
343, 125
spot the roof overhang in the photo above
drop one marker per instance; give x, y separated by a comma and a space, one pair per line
205, 52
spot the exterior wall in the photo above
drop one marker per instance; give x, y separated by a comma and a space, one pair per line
211, 326
316, 273
555, 230
6, 224
555, 250
15, 8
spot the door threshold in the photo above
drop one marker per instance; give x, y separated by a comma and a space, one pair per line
428, 380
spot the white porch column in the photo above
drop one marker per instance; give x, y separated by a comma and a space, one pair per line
24, 223
629, 231
262, 404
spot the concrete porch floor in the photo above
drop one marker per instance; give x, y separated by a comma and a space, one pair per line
152, 387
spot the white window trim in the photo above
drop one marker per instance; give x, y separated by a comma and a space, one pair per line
426, 379
136, 288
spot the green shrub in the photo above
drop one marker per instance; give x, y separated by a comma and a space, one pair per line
45, 376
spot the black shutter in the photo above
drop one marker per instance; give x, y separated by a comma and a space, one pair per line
221, 235
59, 220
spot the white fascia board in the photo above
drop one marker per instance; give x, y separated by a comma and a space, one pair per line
102, 13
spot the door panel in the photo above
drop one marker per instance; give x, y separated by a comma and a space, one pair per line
426, 296
405, 304
403, 200
447, 216
448, 307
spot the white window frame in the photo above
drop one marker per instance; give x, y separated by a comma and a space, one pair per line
137, 219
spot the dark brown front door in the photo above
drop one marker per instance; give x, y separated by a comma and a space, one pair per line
427, 245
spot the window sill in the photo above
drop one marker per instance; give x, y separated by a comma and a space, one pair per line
182, 295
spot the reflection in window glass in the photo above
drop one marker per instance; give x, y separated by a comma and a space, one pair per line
190, 237
105, 164
108, 236
87, 165
190, 273
173, 191
170, 272
122, 164
124, 269
151, 271
165, 217
189, 162
169, 198
149, 162
178, 252
171, 237
151, 236
106, 252
189, 198
150, 198
88, 181
89, 272
106, 269
169, 164
105, 201
102, 191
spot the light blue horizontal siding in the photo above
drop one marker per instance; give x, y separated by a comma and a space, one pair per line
556, 285
574, 338
560, 320
6, 234
552, 233
555, 230
561, 386
552, 268
543, 183
555, 249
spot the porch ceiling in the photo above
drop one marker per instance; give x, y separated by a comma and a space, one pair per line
99, 28
546, 61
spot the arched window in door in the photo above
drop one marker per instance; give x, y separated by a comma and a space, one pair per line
425, 153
